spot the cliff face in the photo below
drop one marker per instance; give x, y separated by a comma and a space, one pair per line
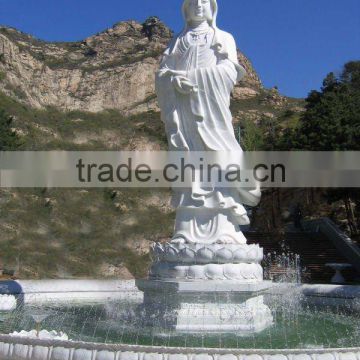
111, 70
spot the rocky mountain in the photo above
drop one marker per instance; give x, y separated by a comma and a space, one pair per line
110, 70
98, 94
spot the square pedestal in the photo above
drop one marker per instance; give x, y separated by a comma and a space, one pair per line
211, 306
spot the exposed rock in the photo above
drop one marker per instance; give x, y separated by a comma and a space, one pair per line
251, 79
298, 109
110, 70
19, 132
274, 98
268, 115
49, 202
122, 208
153, 28
140, 246
112, 271
241, 93
45, 130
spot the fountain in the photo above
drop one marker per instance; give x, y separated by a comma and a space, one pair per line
338, 278
39, 318
205, 298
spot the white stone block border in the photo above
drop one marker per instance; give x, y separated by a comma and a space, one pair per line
29, 349
7, 302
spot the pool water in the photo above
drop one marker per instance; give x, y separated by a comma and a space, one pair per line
118, 322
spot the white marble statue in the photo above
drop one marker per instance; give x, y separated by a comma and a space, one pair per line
206, 278
196, 77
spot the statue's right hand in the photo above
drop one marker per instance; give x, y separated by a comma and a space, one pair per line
165, 71
183, 85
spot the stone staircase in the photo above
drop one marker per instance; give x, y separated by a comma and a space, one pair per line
315, 252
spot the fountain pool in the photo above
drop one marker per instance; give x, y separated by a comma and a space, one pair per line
117, 327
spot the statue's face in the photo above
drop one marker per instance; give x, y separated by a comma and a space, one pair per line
199, 10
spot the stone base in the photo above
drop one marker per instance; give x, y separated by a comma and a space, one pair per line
180, 272
251, 316
182, 262
215, 286
207, 253
211, 306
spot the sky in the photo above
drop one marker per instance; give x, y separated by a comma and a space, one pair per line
293, 44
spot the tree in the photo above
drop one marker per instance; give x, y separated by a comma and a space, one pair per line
332, 118
251, 137
9, 140
347, 196
331, 122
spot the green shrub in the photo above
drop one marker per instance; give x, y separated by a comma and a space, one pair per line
8, 138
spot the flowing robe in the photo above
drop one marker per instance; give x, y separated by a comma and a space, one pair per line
202, 121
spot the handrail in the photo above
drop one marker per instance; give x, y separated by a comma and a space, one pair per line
340, 240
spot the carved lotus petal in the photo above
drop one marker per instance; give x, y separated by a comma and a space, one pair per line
214, 271
252, 271
252, 254
228, 357
231, 271
160, 248
158, 251
187, 255
172, 253
180, 246
308, 357
154, 270
171, 272
261, 254
253, 357
248, 272
155, 246
240, 255
346, 356
277, 357
224, 255
205, 255
178, 357
159, 270
196, 272
226, 239
180, 272
327, 356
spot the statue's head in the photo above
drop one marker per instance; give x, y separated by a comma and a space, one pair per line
199, 10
